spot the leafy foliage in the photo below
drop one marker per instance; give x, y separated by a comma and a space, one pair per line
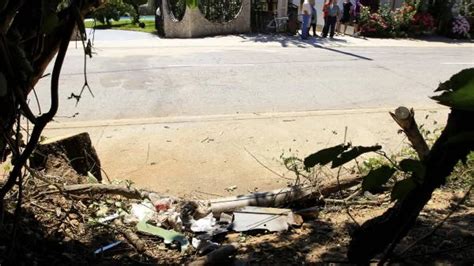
415, 167
377, 178
178, 8
220, 10
402, 188
113, 10
458, 92
135, 4
405, 21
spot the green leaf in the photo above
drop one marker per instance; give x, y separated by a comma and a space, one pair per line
377, 177
458, 92
192, 3
415, 167
352, 154
324, 156
402, 188
461, 139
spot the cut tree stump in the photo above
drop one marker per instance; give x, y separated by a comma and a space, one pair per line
74, 151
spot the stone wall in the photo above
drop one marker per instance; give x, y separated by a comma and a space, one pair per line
194, 24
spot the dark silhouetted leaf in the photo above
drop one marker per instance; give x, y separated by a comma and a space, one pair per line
377, 177
50, 22
461, 139
415, 167
352, 154
458, 92
402, 188
324, 156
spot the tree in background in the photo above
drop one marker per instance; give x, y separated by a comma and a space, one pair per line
112, 10
135, 4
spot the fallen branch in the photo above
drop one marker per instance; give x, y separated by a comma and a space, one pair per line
128, 234
358, 202
220, 256
279, 197
128, 192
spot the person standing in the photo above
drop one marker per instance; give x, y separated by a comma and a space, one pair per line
356, 15
346, 16
332, 13
306, 13
314, 18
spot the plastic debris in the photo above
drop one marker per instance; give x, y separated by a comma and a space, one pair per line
205, 224
108, 218
271, 219
143, 211
162, 204
91, 178
209, 226
107, 247
169, 236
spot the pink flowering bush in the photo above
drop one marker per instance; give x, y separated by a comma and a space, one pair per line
402, 22
460, 27
422, 22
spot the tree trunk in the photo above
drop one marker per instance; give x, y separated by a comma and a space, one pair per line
375, 235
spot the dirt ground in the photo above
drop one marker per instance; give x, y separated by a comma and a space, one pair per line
58, 229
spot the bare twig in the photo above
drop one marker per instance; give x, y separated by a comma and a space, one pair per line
9, 15
340, 187
266, 167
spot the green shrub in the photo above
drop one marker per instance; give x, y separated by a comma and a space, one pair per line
112, 10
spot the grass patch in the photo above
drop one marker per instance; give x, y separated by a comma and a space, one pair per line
123, 24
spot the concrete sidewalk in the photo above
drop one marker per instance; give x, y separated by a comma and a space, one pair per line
115, 38
201, 156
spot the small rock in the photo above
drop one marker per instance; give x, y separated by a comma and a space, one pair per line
74, 222
58, 212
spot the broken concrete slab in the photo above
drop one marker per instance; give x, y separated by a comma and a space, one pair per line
271, 219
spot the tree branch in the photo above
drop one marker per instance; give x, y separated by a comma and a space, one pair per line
100, 189
44, 119
406, 120
9, 15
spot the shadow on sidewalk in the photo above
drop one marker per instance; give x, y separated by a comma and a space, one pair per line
286, 41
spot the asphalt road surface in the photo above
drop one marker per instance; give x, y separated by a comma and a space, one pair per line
252, 75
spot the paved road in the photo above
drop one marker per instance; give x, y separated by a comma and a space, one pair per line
177, 101
150, 77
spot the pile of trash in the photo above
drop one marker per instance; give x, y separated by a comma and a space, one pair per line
193, 225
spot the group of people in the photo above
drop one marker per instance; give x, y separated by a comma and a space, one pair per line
332, 14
